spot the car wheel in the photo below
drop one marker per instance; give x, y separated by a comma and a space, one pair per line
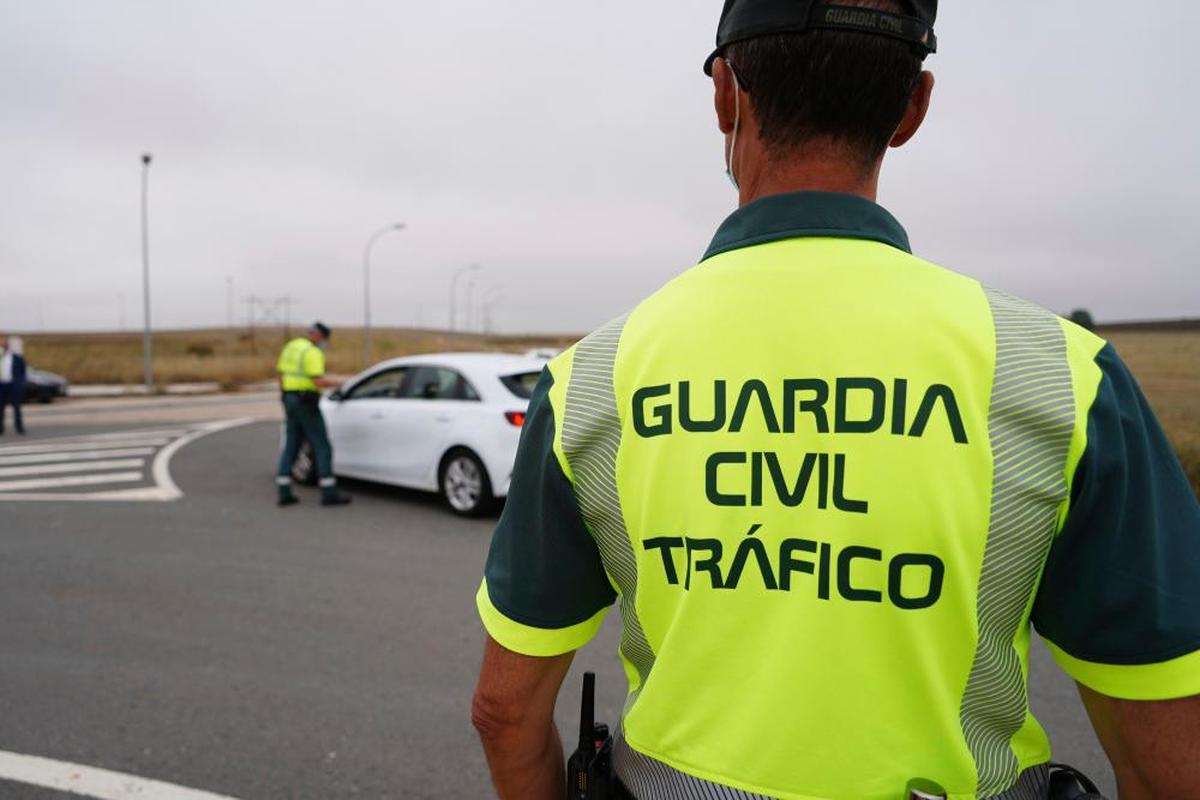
464, 484
304, 468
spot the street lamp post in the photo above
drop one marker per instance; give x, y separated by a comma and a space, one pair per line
147, 345
454, 291
470, 303
395, 226
489, 300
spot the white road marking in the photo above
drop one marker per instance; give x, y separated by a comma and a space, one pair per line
61, 469
89, 455
168, 432
73, 480
94, 782
73, 447
164, 490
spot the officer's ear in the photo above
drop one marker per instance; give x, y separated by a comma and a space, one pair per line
918, 107
724, 95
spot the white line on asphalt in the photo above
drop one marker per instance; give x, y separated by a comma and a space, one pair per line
100, 784
162, 462
144, 494
74, 480
88, 455
81, 466
165, 491
72, 447
95, 437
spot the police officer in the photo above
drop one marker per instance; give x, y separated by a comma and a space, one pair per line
301, 370
830, 485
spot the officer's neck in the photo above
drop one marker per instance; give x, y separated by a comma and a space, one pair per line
813, 171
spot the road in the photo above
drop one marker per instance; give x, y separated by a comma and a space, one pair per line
216, 642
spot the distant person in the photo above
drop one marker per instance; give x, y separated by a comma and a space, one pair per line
12, 381
301, 377
830, 485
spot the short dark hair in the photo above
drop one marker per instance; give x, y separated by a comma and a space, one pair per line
846, 89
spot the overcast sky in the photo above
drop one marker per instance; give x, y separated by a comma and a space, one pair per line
568, 147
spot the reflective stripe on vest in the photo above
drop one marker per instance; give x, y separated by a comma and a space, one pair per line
649, 779
591, 435
1030, 422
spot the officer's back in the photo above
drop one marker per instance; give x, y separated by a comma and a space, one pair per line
831, 484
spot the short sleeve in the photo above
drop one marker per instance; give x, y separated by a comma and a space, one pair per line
314, 362
1119, 601
545, 591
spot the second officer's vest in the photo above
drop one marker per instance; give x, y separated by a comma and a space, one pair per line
300, 362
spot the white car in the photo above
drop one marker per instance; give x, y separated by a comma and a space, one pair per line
446, 423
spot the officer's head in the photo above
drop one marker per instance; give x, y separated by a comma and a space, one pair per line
812, 87
319, 334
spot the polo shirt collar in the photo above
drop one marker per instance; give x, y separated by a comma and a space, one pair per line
797, 214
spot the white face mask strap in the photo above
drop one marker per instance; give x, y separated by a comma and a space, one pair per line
737, 119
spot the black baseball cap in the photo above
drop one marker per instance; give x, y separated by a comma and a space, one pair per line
322, 329
749, 19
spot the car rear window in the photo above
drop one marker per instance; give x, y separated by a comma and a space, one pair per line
522, 384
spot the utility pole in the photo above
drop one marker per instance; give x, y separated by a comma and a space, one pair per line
471, 303
251, 315
147, 344
458, 273
489, 300
229, 301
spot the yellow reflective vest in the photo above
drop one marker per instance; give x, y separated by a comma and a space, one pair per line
299, 363
829, 486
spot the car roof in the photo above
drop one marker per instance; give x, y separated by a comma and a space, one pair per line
500, 363
483, 370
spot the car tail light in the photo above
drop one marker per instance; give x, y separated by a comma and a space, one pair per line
516, 418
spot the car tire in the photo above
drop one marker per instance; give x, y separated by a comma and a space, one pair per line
304, 468
464, 485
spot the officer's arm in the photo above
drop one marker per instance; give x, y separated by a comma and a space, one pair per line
1154, 746
513, 711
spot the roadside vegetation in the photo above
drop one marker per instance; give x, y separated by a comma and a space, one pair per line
240, 357
1167, 365
1165, 360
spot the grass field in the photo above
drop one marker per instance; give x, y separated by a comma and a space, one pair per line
1167, 365
1166, 361
234, 358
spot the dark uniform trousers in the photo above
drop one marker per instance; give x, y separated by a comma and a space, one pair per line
10, 394
304, 421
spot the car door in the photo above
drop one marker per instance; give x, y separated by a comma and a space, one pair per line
434, 401
358, 420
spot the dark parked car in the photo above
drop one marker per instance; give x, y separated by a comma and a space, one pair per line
43, 387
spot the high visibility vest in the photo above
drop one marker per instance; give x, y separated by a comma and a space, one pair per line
829, 484
300, 362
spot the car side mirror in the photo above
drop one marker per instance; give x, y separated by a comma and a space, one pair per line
337, 396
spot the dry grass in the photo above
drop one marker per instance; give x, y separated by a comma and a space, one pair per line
1167, 365
1166, 362
235, 358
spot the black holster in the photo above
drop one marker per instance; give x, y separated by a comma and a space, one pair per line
1068, 783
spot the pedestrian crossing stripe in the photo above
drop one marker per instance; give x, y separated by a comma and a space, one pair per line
63, 469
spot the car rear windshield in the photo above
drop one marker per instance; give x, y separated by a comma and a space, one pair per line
521, 385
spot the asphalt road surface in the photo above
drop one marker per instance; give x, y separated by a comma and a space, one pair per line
218, 643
